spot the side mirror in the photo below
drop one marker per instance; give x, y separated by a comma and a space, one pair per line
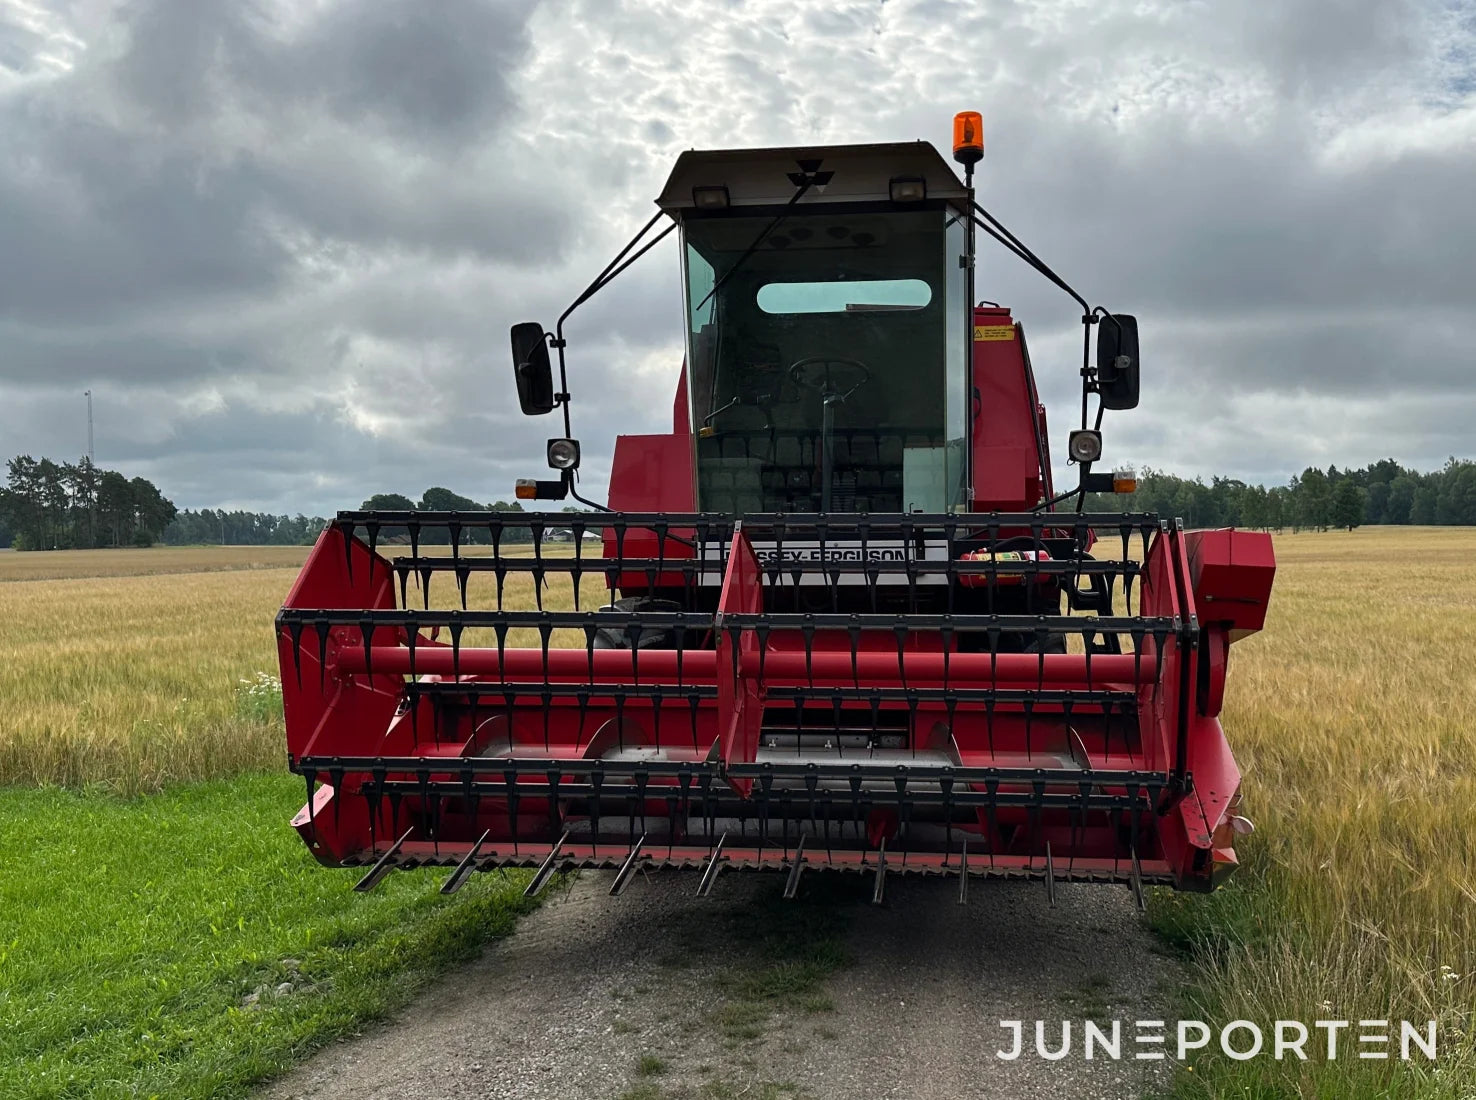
532, 370
1117, 361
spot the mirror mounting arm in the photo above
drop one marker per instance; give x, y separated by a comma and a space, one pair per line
623, 259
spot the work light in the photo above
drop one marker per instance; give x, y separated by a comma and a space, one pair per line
1084, 445
710, 198
908, 189
563, 454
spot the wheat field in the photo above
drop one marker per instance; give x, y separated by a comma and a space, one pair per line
1353, 716
136, 562
135, 669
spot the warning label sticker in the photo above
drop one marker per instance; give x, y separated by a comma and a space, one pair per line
994, 332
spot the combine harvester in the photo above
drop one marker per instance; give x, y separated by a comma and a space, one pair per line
838, 618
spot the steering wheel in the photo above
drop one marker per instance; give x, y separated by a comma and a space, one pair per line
828, 375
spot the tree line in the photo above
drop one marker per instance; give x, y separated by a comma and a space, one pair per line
48, 505
240, 528
438, 499
1382, 493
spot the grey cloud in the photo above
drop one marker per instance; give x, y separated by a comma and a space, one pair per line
284, 243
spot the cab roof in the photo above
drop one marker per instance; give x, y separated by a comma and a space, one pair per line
762, 177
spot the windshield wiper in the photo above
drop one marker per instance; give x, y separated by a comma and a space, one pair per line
808, 176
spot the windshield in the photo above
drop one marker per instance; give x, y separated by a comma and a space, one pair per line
828, 348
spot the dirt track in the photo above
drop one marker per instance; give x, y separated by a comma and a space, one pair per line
569, 1004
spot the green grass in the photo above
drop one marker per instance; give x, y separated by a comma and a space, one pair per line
777, 957
135, 936
650, 1065
793, 950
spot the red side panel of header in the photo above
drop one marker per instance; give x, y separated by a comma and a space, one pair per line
1009, 422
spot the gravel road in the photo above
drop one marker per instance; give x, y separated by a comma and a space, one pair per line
659, 995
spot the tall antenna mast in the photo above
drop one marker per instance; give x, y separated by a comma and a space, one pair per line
92, 463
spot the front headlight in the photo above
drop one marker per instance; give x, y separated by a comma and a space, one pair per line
563, 454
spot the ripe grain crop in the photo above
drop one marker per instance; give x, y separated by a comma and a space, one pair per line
132, 562
138, 681
1353, 717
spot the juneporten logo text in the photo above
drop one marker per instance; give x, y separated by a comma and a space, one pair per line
1241, 1040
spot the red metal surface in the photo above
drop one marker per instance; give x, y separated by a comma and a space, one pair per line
740, 705
1232, 573
337, 709
1007, 467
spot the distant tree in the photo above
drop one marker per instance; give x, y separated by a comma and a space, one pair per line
388, 502
152, 511
1314, 498
1252, 506
1346, 509
1276, 508
1425, 507
1384, 471
1456, 497
1377, 502
115, 507
1401, 499
437, 499
242, 528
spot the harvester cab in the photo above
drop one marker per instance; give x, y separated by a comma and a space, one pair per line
838, 617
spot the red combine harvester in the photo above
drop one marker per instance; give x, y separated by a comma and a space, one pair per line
838, 618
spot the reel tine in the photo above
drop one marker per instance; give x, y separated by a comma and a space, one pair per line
294, 633
382, 866
366, 637
321, 628
627, 869
714, 865
791, 884
545, 869
1050, 876
346, 531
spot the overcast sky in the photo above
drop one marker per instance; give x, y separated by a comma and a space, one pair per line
282, 242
